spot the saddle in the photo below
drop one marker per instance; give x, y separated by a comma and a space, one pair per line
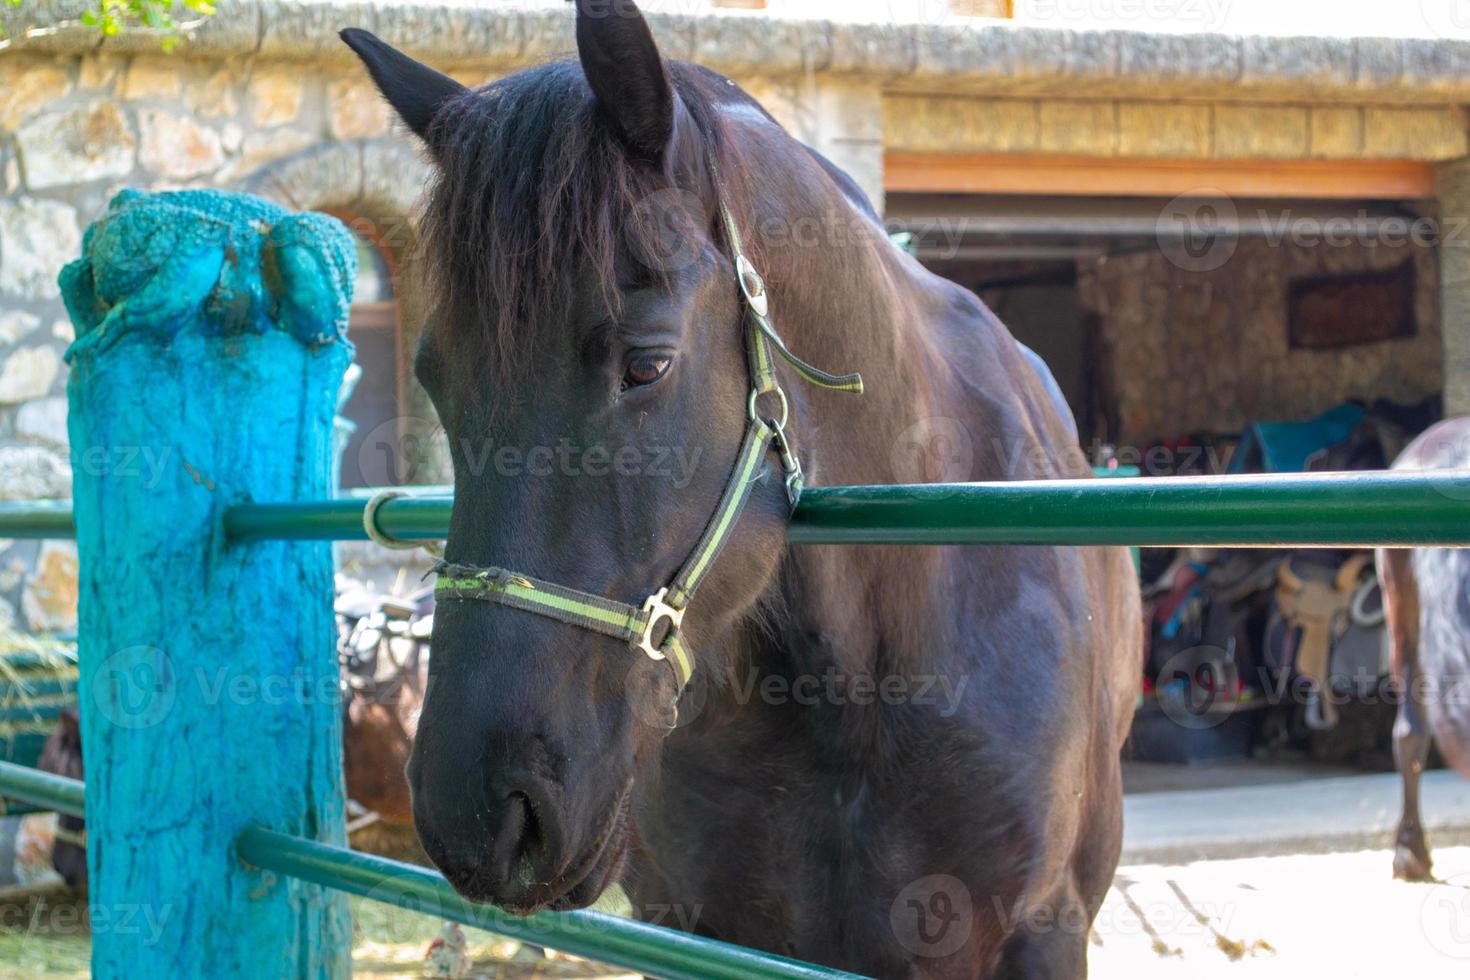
1327, 630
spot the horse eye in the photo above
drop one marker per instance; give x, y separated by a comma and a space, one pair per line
645, 370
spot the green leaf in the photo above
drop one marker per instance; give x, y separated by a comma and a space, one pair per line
112, 17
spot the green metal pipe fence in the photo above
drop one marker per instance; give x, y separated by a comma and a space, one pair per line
1335, 510
624, 943
1312, 510
37, 519
40, 788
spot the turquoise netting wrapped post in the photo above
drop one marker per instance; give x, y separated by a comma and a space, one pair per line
210, 348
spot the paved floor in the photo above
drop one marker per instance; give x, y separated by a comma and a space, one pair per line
1333, 916
1332, 814
1242, 874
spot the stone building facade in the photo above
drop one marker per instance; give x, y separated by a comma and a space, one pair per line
911, 102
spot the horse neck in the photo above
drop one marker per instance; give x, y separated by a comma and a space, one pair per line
854, 304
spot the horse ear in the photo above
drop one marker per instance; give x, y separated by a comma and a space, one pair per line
627, 74
416, 91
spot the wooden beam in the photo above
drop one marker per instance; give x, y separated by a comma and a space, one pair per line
1090, 176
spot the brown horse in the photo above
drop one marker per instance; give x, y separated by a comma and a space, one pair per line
62, 755
1426, 593
901, 761
383, 651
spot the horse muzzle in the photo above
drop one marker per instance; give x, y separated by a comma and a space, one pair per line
521, 852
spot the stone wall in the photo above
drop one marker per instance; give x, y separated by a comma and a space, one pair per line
1206, 350
76, 129
1108, 128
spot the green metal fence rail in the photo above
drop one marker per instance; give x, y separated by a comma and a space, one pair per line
1321, 510
40, 788
37, 519
1333, 510
623, 943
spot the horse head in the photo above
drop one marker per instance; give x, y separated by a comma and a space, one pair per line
588, 357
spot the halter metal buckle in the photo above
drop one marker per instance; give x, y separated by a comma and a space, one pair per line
753, 285
657, 609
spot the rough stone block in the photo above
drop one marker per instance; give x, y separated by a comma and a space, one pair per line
1087, 128
75, 145
1148, 129
37, 238
1414, 134
1261, 132
357, 110
30, 84
151, 78
275, 95
28, 373
176, 146
33, 473
1337, 133
913, 124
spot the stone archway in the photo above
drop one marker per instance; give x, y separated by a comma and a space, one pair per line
377, 181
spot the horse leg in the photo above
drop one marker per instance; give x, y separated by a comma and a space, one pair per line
1051, 942
1411, 860
1411, 738
1053, 945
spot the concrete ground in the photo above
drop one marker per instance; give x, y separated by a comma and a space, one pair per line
1267, 816
1331, 916
1243, 873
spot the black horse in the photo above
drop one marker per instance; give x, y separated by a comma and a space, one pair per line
901, 761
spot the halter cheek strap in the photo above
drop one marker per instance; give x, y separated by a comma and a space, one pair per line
638, 626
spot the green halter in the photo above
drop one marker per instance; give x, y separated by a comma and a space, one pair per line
638, 626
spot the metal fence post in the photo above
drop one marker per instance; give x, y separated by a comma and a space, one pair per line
210, 346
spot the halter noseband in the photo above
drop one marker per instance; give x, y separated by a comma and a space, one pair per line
638, 626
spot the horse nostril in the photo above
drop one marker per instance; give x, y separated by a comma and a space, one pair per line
518, 842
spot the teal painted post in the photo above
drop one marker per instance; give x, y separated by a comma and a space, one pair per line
210, 346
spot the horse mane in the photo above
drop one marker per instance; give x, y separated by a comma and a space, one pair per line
533, 186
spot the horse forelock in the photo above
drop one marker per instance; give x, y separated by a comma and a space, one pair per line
533, 193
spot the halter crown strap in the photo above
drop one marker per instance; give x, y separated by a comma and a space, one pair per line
639, 626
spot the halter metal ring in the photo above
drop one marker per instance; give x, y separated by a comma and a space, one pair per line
755, 394
658, 609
